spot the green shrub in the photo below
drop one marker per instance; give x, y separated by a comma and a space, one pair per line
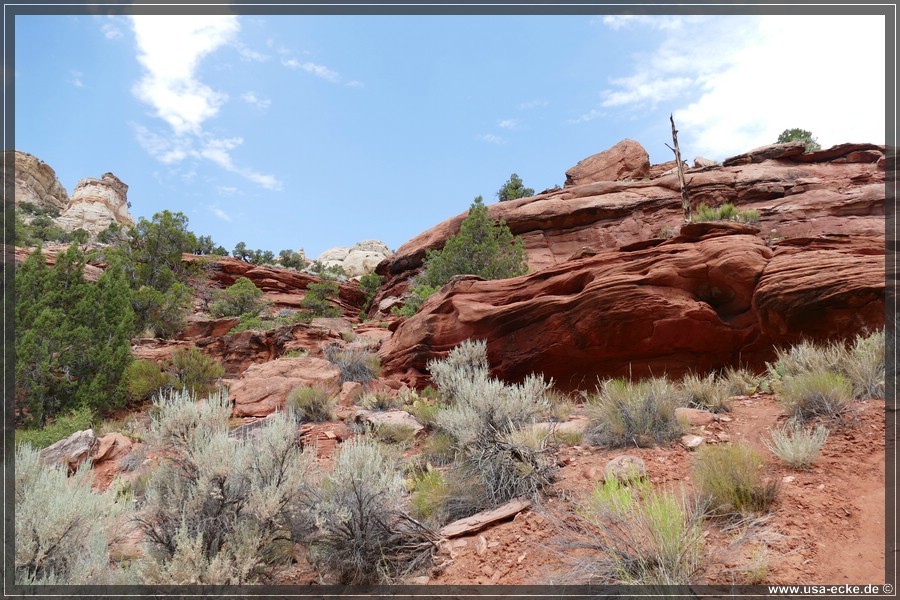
706, 393
796, 445
481, 247
439, 449
195, 372
311, 403
731, 476
363, 536
394, 434
513, 189
816, 394
63, 527
799, 135
370, 284
221, 508
316, 301
380, 401
144, 379
639, 414
57, 429
414, 300
240, 298
638, 535
428, 498
726, 212
355, 362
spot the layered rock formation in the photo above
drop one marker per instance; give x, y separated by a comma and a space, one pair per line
625, 160
93, 206
839, 190
359, 259
622, 287
96, 204
715, 295
36, 183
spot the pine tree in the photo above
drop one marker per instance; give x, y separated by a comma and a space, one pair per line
481, 247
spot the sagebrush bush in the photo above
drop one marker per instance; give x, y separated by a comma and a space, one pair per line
640, 414
638, 535
706, 393
731, 477
816, 394
144, 379
485, 417
381, 401
196, 372
796, 445
63, 527
218, 510
363, 536
314, 404
805, 357
355, 362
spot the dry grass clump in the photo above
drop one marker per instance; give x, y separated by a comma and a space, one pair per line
706, 393
816, 394
314, 404
355, 362
730, 476
637, 535
640, 414
861, 362
739, 382
796, 445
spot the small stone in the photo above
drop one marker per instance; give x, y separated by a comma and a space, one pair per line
625, 468
788, 479
521, 558
691, 441
422, 580
694, 416
481, 546
821, 486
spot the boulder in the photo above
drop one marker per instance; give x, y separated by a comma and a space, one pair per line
263, 388
391, 418
72, 451
357, 260
625, 160
110, 447
694, 416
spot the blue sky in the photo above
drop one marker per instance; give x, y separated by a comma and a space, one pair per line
320, 131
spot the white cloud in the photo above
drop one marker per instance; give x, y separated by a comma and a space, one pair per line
227, 190
509, 123
252, 99
111, 31
220, 213
76, 78
837, 95
170, 48
588, 116
736, 82
491, 138
355, 84
310, 67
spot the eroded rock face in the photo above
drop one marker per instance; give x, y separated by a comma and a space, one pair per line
625, 160
713, 296
835, 191
263, 388
36, 183
96, 204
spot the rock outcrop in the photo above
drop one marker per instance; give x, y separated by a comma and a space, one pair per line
36, 183
625, 160
93, 206
360, 259
264, 388
835, 191
715, 295
96, 204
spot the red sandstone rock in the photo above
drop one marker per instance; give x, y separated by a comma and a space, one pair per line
715, 295
625, 160
263, 388
803, 195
